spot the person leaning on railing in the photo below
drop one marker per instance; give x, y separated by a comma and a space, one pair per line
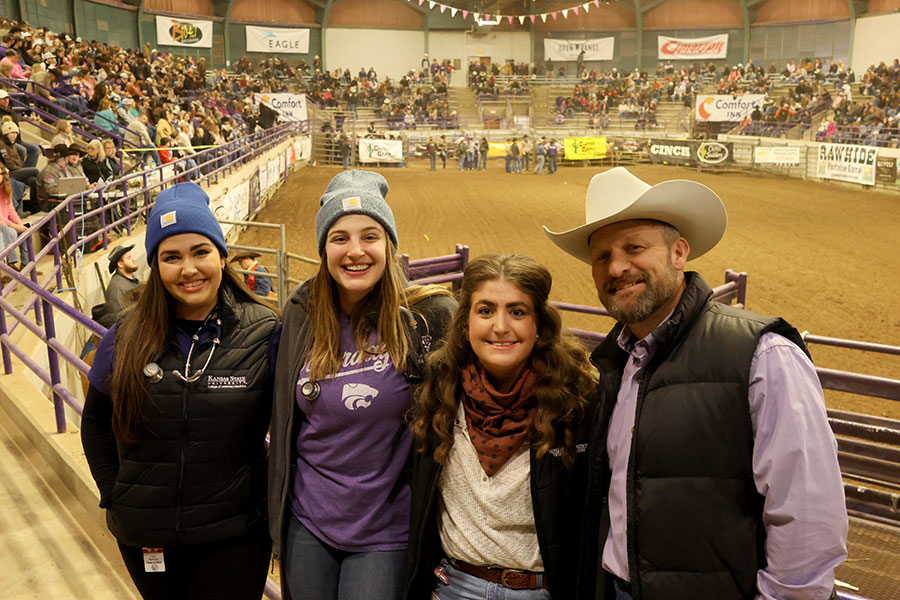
175, 418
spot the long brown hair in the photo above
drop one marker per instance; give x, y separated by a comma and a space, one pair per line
7, 184
379, 311
141, 337
561, 390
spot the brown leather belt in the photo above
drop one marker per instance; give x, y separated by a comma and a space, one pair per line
513, 579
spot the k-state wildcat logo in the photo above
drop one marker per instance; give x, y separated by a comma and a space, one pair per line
357, 395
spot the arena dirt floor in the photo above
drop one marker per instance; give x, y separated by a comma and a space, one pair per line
823, 256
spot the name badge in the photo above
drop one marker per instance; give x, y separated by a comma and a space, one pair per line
153, 560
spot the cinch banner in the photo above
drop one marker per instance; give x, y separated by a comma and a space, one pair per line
727, 108
855, 164
267, 39
171, 31
594, 49
671, 152
374, 150
714, 46
291, 107
584, 148
776, 155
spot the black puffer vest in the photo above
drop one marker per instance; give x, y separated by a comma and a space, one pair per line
198, 473
695, 526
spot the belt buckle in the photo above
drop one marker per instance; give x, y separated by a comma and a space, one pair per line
504, 573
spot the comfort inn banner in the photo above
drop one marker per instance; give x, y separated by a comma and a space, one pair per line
175, 31
594, 49
272, 39
585, 148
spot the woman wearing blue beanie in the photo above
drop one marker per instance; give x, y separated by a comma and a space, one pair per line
175, 418
352, 351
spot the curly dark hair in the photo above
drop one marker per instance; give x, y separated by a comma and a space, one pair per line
562, 390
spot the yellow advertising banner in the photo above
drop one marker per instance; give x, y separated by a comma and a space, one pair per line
496, 149
585, 148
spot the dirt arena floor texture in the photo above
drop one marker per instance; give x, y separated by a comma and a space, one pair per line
823, 256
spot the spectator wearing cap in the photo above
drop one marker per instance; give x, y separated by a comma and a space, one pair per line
12, 158
190, 484
246, 260
119, 290
339, 516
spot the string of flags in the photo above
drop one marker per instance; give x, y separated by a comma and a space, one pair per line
476, 16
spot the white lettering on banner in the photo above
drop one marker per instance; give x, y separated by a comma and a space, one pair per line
855, 164
661, 150
594, 49
715, 46
290, 107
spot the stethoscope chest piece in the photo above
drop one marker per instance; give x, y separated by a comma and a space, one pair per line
310, 390
153, 372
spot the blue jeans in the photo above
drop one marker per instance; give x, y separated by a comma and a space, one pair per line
466, 587
316, 571
433, 159
539, 168
7, 236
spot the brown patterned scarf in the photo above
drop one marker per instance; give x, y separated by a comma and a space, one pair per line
498, 422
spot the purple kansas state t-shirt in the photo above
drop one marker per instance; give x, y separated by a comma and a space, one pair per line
352, 449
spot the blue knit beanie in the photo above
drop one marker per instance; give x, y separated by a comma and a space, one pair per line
182, 208
353, 192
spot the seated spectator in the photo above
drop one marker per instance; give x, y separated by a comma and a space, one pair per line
112, 157
10, 224
13, 161
59, 165
63, 134
105, 118
95, 165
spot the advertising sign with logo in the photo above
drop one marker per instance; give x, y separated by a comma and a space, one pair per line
855, 164
584, 148
630, 145
253, 193
714, 46
594, 49
713, 153
727, 108
270, 39
776, 155
374, 150
172, 31
290, 107
671, 152
886, 169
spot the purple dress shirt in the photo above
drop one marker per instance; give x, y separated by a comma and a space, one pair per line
795, 467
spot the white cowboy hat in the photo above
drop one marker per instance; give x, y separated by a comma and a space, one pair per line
616, 195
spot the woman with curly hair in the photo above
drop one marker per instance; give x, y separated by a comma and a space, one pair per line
499, 479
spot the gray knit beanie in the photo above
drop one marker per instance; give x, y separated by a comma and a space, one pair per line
351, 192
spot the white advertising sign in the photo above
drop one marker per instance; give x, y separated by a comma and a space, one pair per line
271, 39
175, 31
776, 155
373, 150
290, 107
855, 164
594, 49
727, 108
714, 46
274, 166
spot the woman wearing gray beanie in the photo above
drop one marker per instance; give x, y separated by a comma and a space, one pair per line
351, 353
176, 414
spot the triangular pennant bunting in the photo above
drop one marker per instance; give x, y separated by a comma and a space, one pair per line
565, 13
544, 17
597, 3
509, 19
465, 15
443, 8
575, 9
586, 6
553, 14
453, 12
521, 19
531, 17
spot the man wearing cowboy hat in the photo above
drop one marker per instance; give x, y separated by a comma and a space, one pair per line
120, 290
246, 260
714, 472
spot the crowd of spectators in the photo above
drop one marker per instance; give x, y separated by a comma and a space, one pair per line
418, 98
144, 104
491, 80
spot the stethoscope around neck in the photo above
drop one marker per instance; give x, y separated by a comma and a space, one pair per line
154, 373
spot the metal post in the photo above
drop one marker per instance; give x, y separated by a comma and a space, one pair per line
54, 239
29, 248
281, 264
7, 359
100, 204
59, 407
